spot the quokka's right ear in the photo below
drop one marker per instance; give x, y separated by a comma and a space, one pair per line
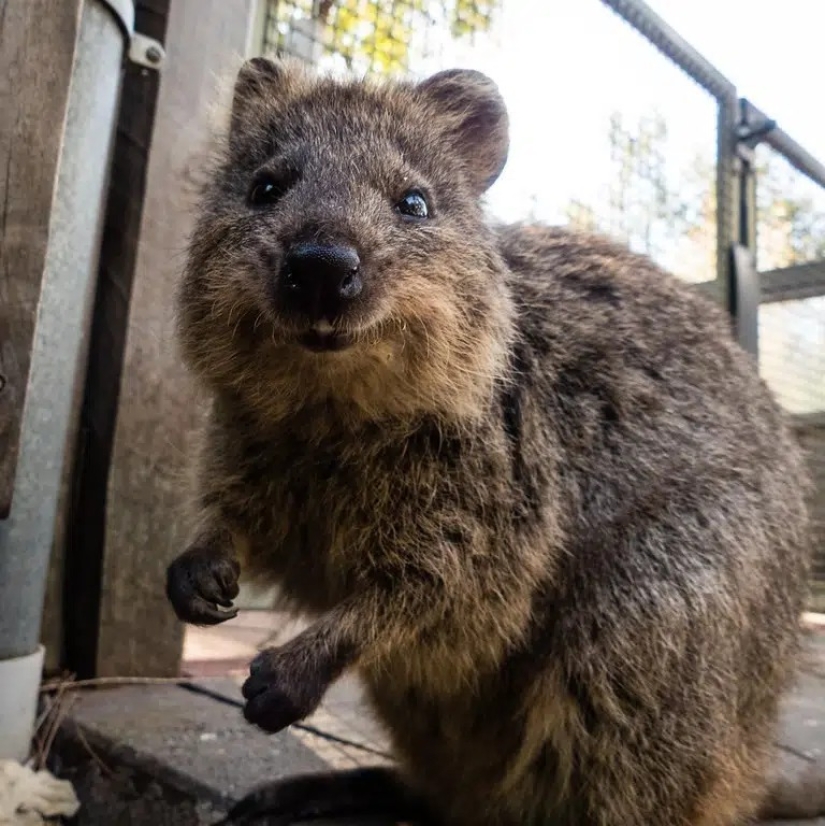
473, 111
258, 86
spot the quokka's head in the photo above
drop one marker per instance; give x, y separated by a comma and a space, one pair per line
341, 253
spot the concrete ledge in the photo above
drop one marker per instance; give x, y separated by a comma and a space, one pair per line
168, 754
163, 755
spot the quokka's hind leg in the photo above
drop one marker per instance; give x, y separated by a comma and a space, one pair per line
369, 792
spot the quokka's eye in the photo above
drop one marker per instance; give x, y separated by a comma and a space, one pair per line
413, 205
267, 188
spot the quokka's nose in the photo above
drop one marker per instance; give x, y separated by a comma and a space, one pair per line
319, 280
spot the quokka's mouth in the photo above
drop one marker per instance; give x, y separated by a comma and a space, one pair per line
325, 341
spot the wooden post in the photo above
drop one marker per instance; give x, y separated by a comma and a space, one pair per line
37, 47
156, 412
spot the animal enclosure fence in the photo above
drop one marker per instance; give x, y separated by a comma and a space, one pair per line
370, 35
686, 171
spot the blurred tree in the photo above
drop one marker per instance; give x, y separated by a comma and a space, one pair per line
670, 214
671, 218
790, 224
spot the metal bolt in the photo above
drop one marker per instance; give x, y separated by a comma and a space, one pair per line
153, 54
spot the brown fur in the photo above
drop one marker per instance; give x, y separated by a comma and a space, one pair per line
543, 503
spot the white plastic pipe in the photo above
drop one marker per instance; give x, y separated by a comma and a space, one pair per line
20, 681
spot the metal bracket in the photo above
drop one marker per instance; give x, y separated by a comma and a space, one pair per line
745, 296
145, 51
753, 128
754, 134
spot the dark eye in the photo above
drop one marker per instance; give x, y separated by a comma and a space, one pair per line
267, 188
413, 205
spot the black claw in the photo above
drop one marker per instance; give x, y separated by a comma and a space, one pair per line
272, 710
198, 582
257, 664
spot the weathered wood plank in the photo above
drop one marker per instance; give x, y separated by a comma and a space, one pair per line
146, 494
37, 48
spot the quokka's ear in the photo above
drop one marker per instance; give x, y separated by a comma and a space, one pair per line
260, 83
477, 120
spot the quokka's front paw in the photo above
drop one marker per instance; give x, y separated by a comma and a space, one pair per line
282, 688
201, 584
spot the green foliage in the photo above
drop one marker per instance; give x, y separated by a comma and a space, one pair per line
377, 34
471, 16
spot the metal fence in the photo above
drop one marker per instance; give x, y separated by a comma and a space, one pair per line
742, 214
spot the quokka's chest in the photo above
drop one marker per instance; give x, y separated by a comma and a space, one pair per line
324, 514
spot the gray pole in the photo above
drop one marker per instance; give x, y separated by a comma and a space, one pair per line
58, 358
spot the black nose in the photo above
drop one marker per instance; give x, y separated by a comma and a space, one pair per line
320, 279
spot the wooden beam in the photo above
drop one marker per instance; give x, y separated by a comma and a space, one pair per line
37, 48
157, 411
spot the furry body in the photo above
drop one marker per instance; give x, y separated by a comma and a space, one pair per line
543, 503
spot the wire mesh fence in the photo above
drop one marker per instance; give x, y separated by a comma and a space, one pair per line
658, 196
790, 230
790, 213
388, 36
792, 362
